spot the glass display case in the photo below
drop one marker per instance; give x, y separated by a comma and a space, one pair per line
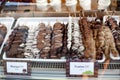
29, 12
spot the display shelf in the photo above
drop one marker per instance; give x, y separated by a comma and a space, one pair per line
60, 14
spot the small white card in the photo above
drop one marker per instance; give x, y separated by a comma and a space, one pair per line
16, 67
81, 68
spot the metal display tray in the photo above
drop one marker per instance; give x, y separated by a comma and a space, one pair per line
33, 22
8, 22
117, 18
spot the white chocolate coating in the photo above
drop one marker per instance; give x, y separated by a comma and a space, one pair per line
77, 39
69, 34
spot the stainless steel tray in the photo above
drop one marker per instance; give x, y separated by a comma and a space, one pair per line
8, 22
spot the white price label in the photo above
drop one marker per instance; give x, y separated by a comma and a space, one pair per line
81, 68
17, 68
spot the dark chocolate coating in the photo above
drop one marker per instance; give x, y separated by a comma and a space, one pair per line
17, 37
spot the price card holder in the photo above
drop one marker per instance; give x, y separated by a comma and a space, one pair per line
15, 67
79, 68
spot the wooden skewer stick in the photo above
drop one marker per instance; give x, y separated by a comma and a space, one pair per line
113, 12
92, 17
79, 15
69, 14
82, 13
96, 15
107, 12
75, 14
